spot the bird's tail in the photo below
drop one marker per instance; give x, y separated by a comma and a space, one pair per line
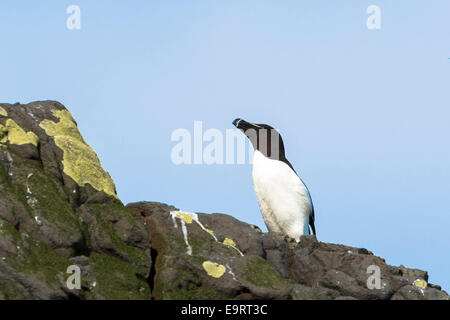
312, 226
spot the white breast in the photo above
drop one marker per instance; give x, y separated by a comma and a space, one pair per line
284, 200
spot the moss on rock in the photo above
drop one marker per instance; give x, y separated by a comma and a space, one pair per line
42, 231
260, 273
33, 257
116, 279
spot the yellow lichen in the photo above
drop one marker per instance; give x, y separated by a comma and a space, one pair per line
419, 283
14, 134
209, 231
80, 161
3, 112
3, 134
184, 216
229, 242
214, 269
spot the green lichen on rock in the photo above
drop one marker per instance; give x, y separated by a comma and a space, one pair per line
80, 160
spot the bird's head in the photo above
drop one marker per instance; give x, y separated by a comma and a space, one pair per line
263, 137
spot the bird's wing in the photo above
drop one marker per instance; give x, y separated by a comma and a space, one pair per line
312, 214
312, 218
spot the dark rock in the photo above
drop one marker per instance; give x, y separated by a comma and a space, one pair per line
50, 177
271, 267
59, 208
411, 292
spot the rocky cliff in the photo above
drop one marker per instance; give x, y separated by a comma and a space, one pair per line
59, 208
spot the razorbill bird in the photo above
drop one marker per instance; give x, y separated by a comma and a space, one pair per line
283, 198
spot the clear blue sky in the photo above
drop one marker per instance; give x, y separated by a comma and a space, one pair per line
364, 113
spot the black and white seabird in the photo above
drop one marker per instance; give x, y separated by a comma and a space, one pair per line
284, 200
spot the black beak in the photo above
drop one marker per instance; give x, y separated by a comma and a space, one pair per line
243, 125
236, 122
